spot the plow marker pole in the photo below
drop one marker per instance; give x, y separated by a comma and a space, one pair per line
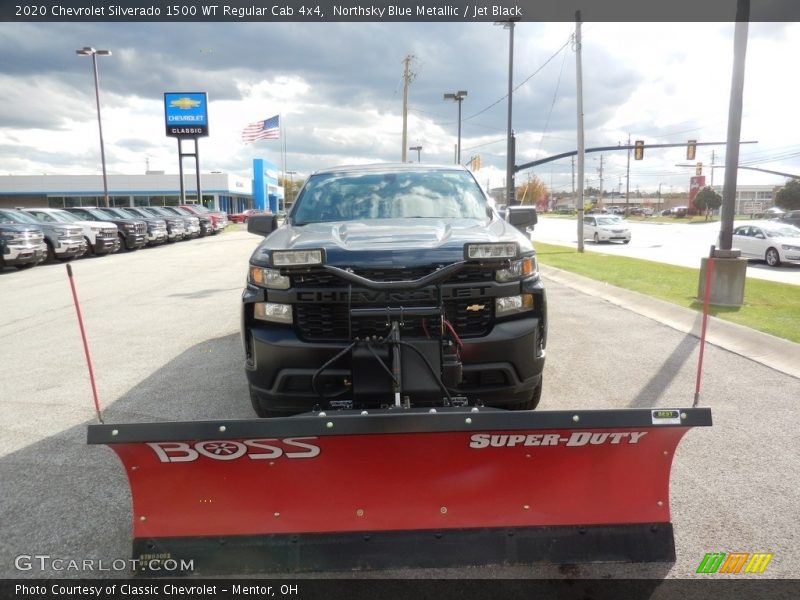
704, 326
85, 343
403, 488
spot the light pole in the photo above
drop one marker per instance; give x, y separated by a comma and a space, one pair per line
291, 187
88, 51
510, 191
458, 97
658, 210
418, 149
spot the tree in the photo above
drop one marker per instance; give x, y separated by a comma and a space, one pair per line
788, 197
707, 200
532, 192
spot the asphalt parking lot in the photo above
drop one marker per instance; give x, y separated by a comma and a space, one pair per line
163, 328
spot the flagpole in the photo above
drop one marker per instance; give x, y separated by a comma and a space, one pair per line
283, 159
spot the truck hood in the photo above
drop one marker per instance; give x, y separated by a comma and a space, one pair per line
391, 242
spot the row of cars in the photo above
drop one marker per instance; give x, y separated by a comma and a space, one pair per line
32, 235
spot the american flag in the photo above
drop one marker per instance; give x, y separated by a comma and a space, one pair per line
268, 129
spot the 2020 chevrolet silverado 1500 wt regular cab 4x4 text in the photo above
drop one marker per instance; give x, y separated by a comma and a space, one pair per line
391, 285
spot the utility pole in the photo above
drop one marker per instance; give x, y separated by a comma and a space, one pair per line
407, 76
601, 179
628, 177
712, 168
581, 157
573, 181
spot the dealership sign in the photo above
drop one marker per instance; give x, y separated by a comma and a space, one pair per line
186, 114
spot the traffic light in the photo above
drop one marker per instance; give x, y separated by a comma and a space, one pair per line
691, 150
638, 151
698, 170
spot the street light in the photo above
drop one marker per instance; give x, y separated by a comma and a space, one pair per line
510, 191
418, 149
88, 51
458, 97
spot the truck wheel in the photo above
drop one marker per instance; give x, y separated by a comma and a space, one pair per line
596, 239
532, 402
89, 248
51, 254
262, 412
23, 266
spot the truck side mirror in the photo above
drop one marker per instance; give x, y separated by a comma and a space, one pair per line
262, 224
522, 217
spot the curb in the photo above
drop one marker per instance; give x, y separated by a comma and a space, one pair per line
774, 352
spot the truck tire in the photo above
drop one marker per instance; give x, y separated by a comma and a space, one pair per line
532, 402
262, 412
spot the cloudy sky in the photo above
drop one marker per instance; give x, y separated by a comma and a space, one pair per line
339, 88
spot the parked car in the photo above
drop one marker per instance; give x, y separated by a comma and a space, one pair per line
775, 212
64, 241
790, 218
176, 227
156, 228
100, 236
191, 224
245, 214
680, 211
219, 220
606, 229
772, 242
21, 245
206, 226
132, 233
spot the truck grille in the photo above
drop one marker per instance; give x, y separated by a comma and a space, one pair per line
329, 322
322, 279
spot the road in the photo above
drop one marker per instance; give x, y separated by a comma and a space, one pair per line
163, 327
678, 243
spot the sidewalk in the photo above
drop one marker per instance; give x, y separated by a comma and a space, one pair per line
776, 353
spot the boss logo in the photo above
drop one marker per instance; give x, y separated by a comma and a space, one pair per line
261, 449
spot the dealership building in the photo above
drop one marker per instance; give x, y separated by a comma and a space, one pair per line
220, 191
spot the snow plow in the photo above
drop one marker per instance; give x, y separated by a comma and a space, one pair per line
403, 488
394, 331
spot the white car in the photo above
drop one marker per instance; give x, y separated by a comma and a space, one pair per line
603, 228
770, 241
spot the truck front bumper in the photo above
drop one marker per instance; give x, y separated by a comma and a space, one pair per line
500, 369
24, 254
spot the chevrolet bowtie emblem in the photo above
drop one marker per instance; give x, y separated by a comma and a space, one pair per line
476, 307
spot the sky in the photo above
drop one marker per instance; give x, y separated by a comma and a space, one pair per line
339, 90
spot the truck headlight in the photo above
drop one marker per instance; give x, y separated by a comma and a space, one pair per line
296, 258
274, 312
269, 278
495, 251
518, 270
61, 232
509, 305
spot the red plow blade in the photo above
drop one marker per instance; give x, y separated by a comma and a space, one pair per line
405, 488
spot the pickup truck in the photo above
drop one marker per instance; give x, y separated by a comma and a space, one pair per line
64, 241
100, 236
393, 285
21, 246
132, 232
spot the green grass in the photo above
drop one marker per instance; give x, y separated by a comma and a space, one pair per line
770, 307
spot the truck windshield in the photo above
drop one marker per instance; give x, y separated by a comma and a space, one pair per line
357, 196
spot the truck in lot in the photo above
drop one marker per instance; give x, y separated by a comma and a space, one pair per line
100, 236
175, 226
21, 245
132, 232
381, 268
219, 220
156, 227
64, 241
